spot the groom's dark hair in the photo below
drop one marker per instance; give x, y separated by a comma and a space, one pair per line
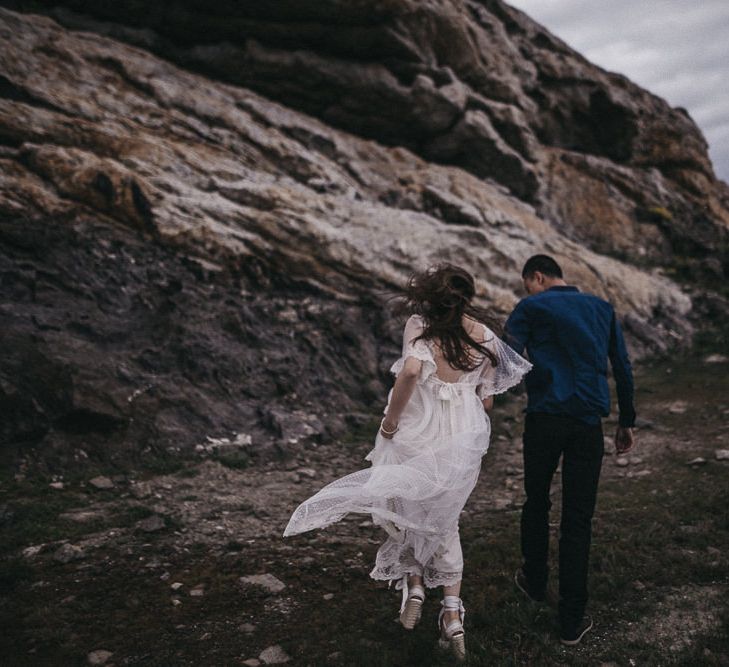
542, 263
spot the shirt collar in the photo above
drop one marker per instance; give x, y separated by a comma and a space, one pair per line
563, 288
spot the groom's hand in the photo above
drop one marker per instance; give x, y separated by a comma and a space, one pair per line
624, 440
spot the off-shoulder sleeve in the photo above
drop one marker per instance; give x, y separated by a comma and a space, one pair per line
509, 370
418, 349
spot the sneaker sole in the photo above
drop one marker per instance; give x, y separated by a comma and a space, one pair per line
574, 642
412, 613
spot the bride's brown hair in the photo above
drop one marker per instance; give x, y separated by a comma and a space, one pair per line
442, 295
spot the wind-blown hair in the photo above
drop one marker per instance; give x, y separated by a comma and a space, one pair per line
442, 295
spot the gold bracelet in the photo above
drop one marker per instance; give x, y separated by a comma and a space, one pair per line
385, 431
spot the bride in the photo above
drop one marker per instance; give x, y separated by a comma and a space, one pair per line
427, 454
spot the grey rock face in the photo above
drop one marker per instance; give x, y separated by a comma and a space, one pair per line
186, 260
472, 83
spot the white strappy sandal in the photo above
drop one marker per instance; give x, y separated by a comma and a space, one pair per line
453, 636
411, 608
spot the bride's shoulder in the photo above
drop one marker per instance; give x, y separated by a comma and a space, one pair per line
478, 330
415, 319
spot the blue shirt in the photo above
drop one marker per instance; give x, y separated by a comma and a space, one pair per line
569, 337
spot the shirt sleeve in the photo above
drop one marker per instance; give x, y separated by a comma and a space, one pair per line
508, 371
417, 349
623, 374
517, 328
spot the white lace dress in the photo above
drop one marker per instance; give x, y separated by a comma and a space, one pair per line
421, 478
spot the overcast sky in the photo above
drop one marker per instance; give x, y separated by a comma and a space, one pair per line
677, 49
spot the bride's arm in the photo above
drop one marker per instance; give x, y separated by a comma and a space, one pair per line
488, 403
401, 393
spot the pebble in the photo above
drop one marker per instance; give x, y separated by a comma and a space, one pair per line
716, 359
266, 581
621, 461
307, 472
101, 482
197, 591
81, 516
273, 655
32, 551
328, 596
56, 485
678, 407
640, 473
141, 490
722, 454
252, 662
68, 552
176, 586
369, 643
248, 628
696, 462
151, 524
176, 602
98, 657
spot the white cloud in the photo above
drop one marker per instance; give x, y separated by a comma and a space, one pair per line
676, 49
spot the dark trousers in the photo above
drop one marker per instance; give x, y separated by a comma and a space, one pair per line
546, 439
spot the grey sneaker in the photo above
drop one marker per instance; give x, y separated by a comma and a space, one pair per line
574, 638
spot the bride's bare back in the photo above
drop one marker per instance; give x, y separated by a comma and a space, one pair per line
445, 371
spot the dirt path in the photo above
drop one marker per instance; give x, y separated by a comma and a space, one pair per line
153, 570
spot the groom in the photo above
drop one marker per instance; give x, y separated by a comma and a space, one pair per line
569, 336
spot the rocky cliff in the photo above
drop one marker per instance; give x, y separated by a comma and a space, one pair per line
205, 251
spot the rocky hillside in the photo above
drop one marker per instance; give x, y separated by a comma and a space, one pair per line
201, 256
472, 83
